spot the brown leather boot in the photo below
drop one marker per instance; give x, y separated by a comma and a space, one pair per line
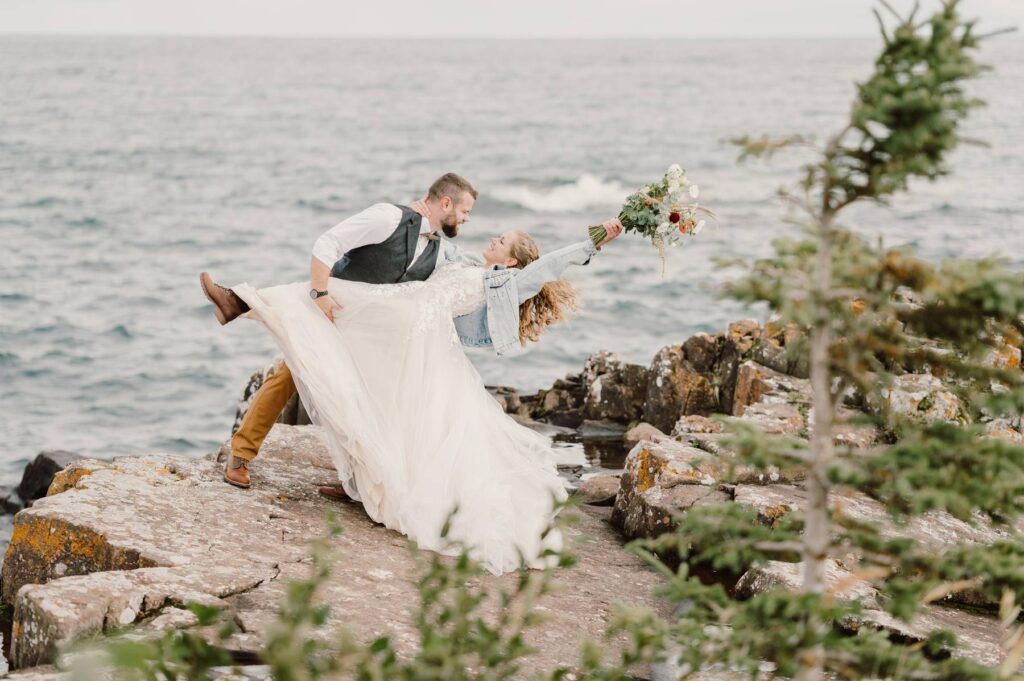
226, 305
334, 493
236, 472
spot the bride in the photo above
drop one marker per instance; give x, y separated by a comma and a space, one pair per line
413, 433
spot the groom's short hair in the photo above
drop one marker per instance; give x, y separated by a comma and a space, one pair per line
451, 185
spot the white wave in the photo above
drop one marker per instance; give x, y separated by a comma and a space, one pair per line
588, 191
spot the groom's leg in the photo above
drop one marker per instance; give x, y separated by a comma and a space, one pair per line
266, 406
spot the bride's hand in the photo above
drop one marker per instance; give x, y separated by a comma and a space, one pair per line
421, 208
613, 228
328, 306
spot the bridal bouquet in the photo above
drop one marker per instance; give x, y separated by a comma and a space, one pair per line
664, 212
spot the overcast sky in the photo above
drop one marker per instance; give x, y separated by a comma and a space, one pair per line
470, 18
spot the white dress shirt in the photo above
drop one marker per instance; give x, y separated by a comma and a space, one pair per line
371, 226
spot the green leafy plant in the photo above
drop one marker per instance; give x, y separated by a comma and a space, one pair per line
868, 316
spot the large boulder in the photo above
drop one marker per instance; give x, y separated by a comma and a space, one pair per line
661, 480
131, 540
617, 394
675, 388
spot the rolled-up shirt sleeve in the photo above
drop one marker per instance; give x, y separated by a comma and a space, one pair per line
371, 226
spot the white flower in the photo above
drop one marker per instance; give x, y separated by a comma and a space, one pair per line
675, 172
698, 227
694, 191
665, 227
673, 185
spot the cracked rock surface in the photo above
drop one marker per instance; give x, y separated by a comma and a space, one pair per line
130, 541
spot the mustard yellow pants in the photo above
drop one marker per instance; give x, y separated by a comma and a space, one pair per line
266, 406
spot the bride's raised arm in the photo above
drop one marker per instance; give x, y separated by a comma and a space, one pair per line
551, 266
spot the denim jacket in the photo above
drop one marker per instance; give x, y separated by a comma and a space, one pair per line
496, 324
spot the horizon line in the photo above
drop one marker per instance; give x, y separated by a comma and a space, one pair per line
410, 36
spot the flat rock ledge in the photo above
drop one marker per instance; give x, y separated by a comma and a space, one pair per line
131, 541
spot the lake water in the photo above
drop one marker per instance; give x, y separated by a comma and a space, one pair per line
129, 165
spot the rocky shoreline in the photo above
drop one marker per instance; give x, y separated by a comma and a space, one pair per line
130, 541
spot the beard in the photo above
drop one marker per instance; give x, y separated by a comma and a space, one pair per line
451, 230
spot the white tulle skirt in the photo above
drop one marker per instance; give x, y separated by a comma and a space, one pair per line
413, 432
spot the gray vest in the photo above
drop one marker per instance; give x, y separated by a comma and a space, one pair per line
388, 262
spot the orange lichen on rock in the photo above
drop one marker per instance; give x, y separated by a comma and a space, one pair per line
648, 468
66, 479
42, 548
774, 513
1005, 356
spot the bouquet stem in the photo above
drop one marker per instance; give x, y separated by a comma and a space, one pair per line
597, 233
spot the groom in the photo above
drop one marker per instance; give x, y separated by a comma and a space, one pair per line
384, 244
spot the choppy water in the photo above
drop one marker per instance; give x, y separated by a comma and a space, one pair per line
128, 165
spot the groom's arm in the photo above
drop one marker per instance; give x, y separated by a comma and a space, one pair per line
319, 273
371, 226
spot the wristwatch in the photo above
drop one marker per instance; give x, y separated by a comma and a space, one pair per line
314, 294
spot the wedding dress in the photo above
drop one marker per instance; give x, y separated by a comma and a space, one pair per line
412, 431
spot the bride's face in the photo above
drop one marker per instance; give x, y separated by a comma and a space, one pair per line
499, 251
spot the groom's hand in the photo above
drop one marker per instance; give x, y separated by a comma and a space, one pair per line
422, 208
328, 306
613, 228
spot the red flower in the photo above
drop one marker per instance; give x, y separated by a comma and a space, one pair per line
674, 217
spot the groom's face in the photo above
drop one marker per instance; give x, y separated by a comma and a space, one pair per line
456, 213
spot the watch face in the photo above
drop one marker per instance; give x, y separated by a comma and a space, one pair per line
312, 294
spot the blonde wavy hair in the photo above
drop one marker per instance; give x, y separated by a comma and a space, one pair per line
554, 303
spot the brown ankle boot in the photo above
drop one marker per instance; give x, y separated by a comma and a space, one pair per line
334, 493
236, 472
226, 305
